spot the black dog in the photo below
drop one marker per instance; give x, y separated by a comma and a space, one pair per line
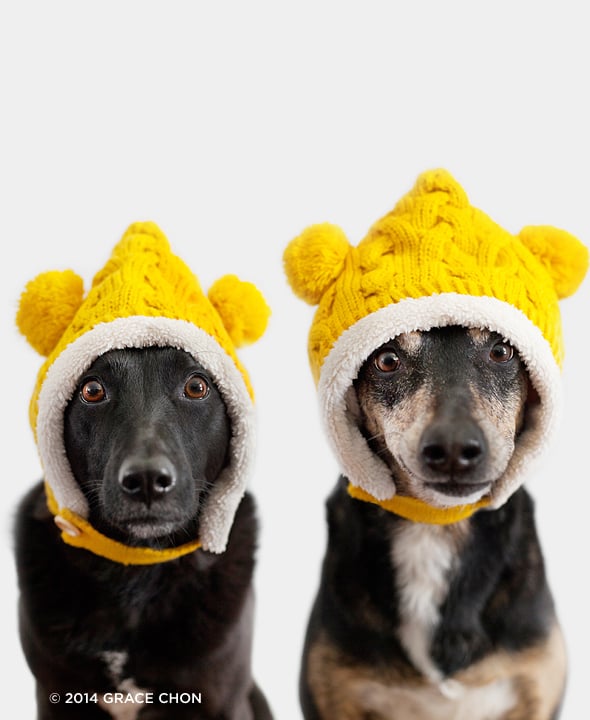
441, 622
146, 435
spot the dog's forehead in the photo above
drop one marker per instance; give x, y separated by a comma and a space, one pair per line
413, 342
120, 361
457, 340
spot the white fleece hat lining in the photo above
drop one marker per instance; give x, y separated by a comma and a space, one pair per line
358, 463
139, 332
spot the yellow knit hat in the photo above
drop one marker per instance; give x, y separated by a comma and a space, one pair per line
144, 296
433, 261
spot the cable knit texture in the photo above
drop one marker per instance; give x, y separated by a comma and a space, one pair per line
433, 261
143, 296
433, 241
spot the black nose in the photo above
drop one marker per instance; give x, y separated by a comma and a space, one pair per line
147, 479
453, 449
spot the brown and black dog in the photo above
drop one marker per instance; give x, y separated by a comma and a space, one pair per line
441, 622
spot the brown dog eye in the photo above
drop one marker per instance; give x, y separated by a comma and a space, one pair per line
93, 391
501, 352
387, 361
196, 388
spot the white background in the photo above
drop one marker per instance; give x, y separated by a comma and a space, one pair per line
234, 125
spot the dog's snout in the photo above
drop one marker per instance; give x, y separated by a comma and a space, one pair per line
453, 450
147, 479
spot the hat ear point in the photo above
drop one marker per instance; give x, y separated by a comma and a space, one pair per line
47, 306
242, 309
314, 260
564, 257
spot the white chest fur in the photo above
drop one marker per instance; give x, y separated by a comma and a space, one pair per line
423, 557
115, 662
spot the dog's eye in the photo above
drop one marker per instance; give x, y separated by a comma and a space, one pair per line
501, 352
196, 388
387, 361
93, 391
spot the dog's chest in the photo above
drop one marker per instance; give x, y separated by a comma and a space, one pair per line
425, 559
118, 705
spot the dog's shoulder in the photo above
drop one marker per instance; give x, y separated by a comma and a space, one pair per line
352, 523
356, 598
499, 596
50, 585
235, 566
37, 544
32, 507
245, 526
521, 606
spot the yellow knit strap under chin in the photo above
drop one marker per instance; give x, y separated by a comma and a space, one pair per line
417, 510
78, 532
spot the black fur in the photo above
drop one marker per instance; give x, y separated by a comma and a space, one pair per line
184, 625
488, 606
455, 398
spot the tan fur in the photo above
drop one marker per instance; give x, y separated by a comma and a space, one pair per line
395, 426
525, 685
480, 336
396, 431
410, 342
507, 415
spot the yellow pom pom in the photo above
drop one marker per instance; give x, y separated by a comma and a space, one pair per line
47, 306
242, 308
563, 255
314, 260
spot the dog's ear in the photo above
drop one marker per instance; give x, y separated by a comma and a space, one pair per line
314, 260
47, 307
242, 308
564, 257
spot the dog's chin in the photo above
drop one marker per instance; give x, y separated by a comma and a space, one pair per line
165, 532
442, 492
150, 529
450, 494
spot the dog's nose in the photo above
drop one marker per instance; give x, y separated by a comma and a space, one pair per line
147, 479
453, 449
